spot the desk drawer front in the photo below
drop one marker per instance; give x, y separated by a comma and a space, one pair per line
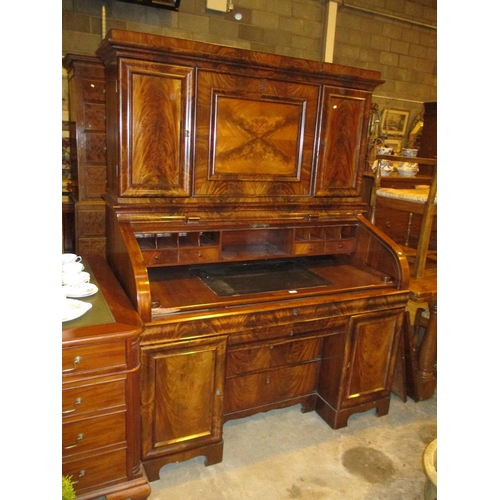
95, 396
98, 470
194, 255
161, 257
77, 360
340, 246
245, 359
308, 247
263, 388
92, 433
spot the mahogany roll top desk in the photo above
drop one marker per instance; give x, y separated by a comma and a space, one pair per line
233, 216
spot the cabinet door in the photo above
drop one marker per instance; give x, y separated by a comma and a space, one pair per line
343, 141
371, 356
155, 124
182, 395
254, 136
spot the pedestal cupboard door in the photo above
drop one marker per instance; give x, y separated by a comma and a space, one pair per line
155, 129
254, 136
182, 395
343, 140
371, 356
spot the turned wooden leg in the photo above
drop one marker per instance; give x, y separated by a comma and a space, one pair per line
425, 378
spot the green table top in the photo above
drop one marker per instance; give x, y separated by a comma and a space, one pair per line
99, 314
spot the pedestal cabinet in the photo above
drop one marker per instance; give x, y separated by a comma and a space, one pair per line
233, 217
182, 407
100, 395
87, 114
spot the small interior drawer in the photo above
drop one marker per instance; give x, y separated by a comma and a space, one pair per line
340, 246
161, 257
308, 247
194, 255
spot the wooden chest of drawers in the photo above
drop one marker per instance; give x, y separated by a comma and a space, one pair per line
100, 377
87, 103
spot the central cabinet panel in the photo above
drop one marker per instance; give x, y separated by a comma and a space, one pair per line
254, 136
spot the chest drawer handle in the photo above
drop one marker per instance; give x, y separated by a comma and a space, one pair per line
78, 439
78, 401
76, 362
80, 474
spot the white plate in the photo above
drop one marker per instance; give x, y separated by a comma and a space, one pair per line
73, 309
83, 290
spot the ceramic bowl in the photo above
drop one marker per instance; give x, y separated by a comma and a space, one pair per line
408, 169
385, 151
410, 152
386, 167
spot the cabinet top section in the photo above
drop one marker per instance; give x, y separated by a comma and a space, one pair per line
202, 123
124, 43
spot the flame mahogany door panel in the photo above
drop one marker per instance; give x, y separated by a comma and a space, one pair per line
181, 400
372, 344
254, 136
155, 123
344, 115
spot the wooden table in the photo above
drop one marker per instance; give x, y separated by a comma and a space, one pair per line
421, 376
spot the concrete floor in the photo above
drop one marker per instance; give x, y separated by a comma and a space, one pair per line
285, 454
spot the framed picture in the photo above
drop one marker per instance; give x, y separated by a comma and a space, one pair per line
395, 144
395, 122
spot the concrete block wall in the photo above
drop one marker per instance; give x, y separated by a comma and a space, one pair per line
382, 35
284, 27
405, 52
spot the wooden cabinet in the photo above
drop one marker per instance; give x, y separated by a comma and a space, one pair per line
404, 227
198, 120
87, 114
100, 406
87, 106
182, 406
234, 224
368, 368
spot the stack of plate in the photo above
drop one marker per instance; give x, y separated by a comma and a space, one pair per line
75, 284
